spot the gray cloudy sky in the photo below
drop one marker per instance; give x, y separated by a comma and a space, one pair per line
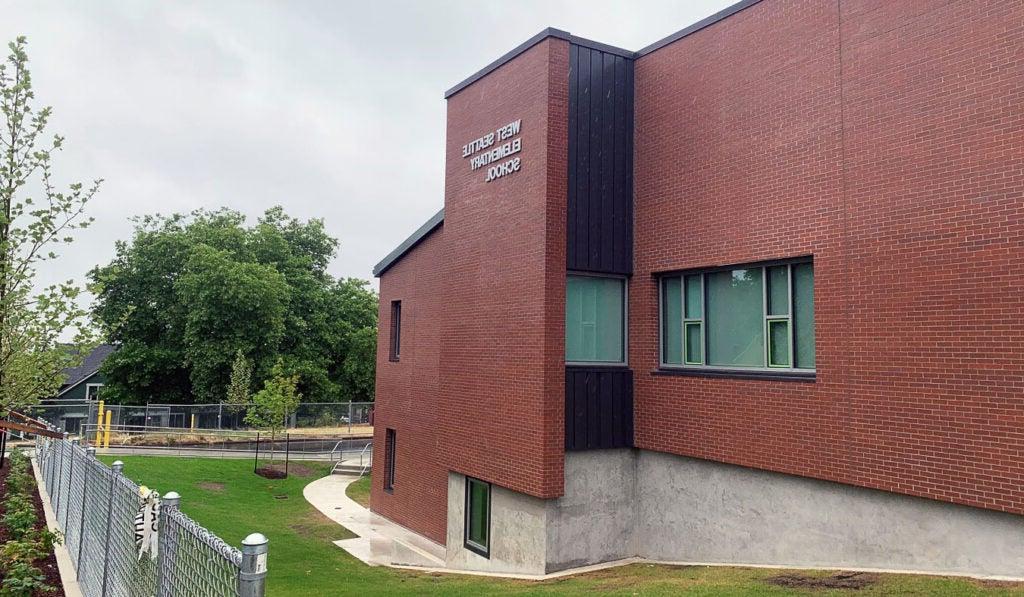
331, 109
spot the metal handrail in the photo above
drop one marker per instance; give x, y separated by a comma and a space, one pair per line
363, 471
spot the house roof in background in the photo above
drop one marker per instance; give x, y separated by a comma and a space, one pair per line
90, 365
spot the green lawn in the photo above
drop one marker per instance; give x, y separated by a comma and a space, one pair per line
226, 497
359, 491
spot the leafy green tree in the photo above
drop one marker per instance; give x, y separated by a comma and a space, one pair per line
271, 406
240, 386
188, 292
32, 228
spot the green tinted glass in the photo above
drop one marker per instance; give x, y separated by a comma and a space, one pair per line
672, 320
734, 317
778, 346
478, 516
803, 315
594, 319
693, 297
694, 348
778, 290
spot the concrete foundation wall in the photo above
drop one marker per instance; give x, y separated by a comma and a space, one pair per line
518, 531
624, 503
702, 511
595, 520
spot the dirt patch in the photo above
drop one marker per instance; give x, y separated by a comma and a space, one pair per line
272, 472
839, 580
299, 470
211, 486
998, 584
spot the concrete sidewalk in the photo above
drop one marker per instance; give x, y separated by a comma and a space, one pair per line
380, 541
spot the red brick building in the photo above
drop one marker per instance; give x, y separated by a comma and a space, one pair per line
747, 295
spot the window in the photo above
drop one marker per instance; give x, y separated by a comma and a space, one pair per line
92, 391
478, 516
389, 460
758, 317
595, 319
396, 330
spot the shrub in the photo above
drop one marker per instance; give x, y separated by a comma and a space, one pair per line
22, 578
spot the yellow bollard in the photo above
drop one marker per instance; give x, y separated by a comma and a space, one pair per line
99, 425
193, 422
106, 433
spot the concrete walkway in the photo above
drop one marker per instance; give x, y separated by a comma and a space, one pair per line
68, 575
380, 541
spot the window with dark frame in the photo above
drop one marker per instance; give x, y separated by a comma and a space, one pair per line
478, 517
595, 320
396, 330
744, 318
389, 460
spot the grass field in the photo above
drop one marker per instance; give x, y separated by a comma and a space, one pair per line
226, 497
359, 491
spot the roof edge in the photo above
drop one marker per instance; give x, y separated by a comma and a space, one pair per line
408, 244
526, 45
701, 24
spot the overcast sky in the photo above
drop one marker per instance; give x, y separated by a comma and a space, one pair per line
331, 109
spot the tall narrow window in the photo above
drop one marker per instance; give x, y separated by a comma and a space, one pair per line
595, 319
396, 329
389, 460
478, 516
744, 317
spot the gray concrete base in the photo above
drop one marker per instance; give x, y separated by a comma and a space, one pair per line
660, 507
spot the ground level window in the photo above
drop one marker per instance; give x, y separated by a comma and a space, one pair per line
389, 460
478, 516
743, 317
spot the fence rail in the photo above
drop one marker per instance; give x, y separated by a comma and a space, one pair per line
72, 415
97, 509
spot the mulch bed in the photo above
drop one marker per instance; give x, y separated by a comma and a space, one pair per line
272, 472
47, 566
839, 580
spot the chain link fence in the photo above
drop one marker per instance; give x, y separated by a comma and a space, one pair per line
97, 510
351, 418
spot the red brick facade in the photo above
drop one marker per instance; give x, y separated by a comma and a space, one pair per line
502, 339
886, 139
408, 391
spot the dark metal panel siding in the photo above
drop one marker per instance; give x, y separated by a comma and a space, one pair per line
599, 214
598, 408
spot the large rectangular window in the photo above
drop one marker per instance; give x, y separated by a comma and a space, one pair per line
396, 330
595, 319
758, 317
478, 516
389, 460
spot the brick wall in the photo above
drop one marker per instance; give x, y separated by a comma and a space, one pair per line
886, 139
407, 392
502, 339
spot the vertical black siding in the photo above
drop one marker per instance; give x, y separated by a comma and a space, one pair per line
600, 207
598, 408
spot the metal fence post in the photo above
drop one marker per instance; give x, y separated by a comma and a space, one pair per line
252, 576
170, 502
117, 467
60, 478
91, 451
71, 477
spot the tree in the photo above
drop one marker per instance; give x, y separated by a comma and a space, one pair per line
240, 387
32, 358
271, 406
188, 292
